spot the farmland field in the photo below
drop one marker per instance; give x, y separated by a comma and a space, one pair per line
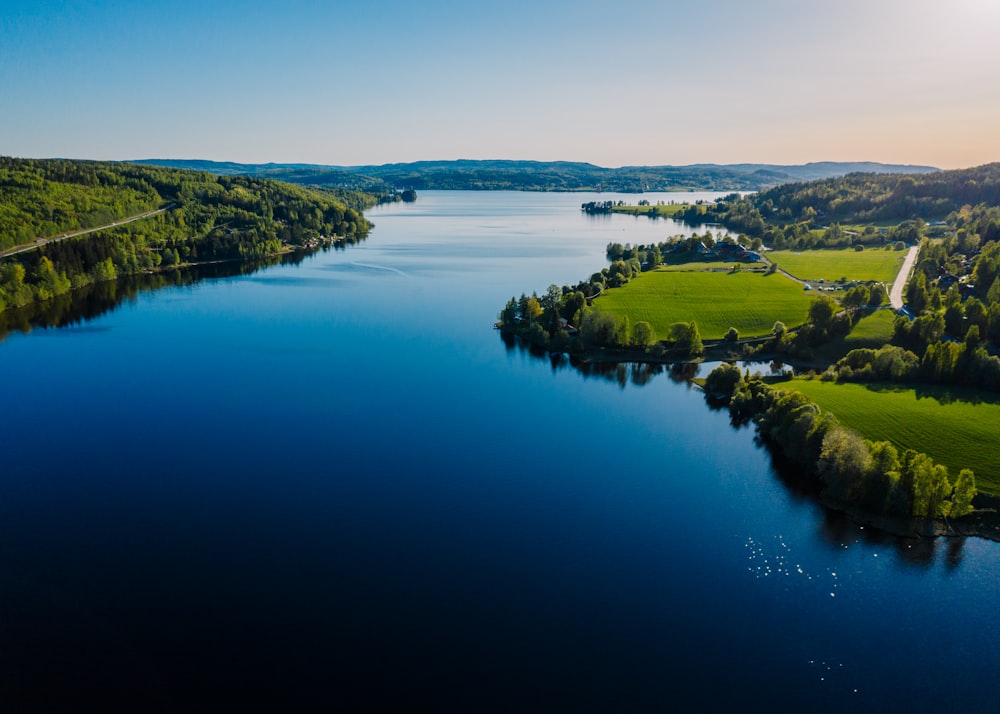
666, 210
872, 330
694, 265
871, 264
958, 434
750, 302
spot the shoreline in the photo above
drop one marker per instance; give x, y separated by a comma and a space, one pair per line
983, 522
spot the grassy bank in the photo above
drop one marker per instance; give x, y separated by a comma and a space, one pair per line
664, 210
955, 427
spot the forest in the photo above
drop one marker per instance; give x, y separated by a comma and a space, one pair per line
484, 175
812, 214
209, 218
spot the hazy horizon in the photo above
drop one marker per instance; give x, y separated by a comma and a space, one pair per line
640, 83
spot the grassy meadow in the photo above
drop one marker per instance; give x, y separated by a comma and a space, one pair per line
666, 211
875, 264
750, 302
872, 330
959, 434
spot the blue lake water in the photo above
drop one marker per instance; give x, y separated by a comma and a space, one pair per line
331, 485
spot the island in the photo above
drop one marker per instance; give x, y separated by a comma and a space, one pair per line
880, 291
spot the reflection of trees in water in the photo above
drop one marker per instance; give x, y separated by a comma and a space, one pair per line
91, 301
838, 529
638, 374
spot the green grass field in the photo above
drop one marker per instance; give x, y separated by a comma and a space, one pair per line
694, 266
872, 330
958, 434
830, 265
667, 211
750, 302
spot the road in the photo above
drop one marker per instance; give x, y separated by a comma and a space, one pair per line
896, 294
55, 239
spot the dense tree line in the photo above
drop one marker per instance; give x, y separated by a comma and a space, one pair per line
870, 475
211, 218
864, 197
805, 215
561, 320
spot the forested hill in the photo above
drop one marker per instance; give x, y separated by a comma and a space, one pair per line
810, 214
874, 197
210, 218
542, 176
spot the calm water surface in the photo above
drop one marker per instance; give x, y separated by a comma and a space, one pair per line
331, 485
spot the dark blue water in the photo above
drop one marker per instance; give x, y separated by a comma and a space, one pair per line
331, 486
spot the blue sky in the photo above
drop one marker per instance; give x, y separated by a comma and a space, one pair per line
624, 83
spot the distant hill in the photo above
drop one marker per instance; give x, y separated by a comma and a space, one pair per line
542, 175
823, 169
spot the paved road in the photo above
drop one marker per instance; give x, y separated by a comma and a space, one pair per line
74, 234
896, 294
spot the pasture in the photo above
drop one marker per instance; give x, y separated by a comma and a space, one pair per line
873, 330
956, 427
750, 302
871, 264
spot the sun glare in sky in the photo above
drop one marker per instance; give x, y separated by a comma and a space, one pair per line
636, 82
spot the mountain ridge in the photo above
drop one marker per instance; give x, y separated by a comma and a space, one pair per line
509, 174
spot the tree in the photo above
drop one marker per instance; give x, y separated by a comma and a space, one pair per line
916, 293
686, 338
821, 312
732, 335
844, 463
532, 309
975, 314
654, 257
572, 305
954, 320
856, 297
877, 295
511, 313
963, 493
552, 299
622, 331
599, 328
930, 487
643, 334
722, 380
993, 323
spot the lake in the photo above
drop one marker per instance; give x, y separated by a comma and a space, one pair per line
331, 485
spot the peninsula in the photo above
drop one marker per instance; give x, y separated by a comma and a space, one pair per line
804, 275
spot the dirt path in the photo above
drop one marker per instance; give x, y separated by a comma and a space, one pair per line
896, 294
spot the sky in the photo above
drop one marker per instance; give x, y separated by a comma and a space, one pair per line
631, 82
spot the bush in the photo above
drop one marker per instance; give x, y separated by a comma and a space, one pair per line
722, 380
